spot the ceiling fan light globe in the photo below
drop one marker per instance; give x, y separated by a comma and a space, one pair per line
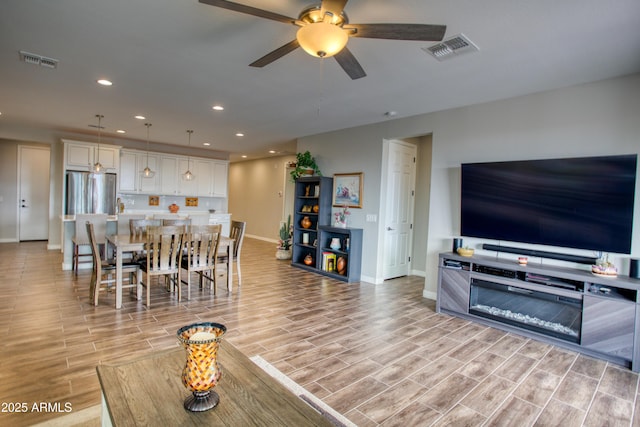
322, 39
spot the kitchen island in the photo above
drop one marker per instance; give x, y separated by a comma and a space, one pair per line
116, 222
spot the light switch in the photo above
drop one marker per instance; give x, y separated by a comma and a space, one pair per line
372, 217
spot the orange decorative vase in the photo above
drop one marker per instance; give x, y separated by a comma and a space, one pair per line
173, 208
305, 222
308, 260
341, 266
201, 373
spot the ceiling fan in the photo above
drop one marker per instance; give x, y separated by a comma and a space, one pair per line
325, 29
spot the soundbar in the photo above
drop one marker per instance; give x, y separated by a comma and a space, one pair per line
542, 254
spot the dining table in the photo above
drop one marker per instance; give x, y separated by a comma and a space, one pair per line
127, 243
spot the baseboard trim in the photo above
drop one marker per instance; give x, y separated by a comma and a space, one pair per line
8, 240
429, 295
264, 239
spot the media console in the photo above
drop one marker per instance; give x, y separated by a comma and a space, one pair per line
571, 308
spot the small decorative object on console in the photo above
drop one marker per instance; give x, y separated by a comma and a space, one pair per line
173, 208
465, 251
604, 269
523, 260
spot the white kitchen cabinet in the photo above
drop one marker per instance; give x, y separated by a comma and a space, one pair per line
168, 177
132, 165
187, 188
210, 176
220, 178
204, 177
148, 185
128, 170
81, 156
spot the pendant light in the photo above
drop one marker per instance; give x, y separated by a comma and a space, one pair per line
147, 172
97, 166
188, 175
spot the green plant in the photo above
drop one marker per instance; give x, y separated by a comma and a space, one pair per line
304, 162
285, 234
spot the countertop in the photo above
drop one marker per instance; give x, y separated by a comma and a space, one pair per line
72, 218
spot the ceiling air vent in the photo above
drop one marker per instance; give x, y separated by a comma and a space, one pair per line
450, 48
43, 61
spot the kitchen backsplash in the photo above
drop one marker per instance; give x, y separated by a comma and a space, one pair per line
134, 202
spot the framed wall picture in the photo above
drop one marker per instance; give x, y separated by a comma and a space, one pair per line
347, 189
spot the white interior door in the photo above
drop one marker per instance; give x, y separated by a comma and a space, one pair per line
398, 216
33, 193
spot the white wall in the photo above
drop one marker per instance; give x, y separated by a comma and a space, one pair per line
600, 118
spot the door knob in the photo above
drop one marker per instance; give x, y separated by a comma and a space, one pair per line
389, 229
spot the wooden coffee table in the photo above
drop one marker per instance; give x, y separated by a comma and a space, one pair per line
148, 391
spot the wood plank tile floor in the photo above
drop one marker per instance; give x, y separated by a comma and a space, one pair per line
378, 354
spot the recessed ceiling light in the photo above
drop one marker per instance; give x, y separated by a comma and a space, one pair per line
206, 143
105, 82
120, 131
140, 117
272, 152
239, 134
218, 107
244, 156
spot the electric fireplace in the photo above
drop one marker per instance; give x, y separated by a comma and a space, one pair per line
548, 312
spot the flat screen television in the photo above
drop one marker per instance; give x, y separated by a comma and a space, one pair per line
584, 203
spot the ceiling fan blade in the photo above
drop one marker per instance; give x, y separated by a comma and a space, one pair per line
334, 6
276, 54
423, 32
250, 10
349, 64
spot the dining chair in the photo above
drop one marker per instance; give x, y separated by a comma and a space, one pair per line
104, 270
125, 220
201, 244
176, 221
138, 228
81, 239
237, 234
164, 255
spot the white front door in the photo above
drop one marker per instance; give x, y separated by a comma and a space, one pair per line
398, 216
33, 193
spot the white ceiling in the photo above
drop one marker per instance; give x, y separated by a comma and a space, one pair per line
171, 60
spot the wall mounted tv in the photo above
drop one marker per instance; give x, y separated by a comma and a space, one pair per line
584, 203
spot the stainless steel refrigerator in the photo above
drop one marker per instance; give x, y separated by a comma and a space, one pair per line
87, 192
